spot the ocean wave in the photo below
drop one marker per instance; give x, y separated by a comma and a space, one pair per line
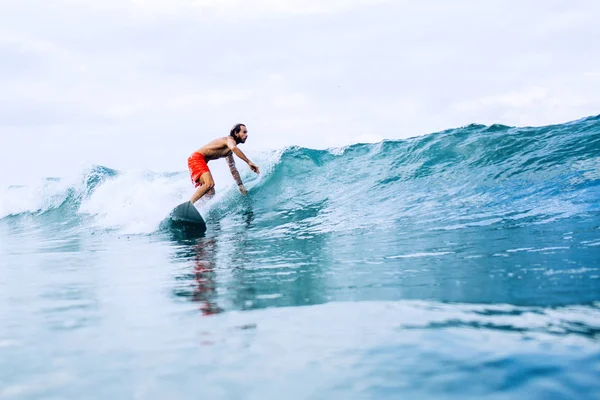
470, 176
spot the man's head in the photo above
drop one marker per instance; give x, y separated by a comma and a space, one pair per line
239, 133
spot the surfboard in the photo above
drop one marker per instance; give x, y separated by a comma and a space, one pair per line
187, 215
186, 212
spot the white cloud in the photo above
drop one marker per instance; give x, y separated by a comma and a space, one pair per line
523, 98
222, 9
311, 73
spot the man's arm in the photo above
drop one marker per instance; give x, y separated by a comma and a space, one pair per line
235, 173
233, 147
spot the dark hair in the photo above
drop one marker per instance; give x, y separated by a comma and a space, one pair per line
236, 129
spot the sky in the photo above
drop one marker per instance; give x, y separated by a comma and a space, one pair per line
140, 84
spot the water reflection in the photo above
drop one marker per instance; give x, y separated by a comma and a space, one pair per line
237, 266
205, 291
198, 253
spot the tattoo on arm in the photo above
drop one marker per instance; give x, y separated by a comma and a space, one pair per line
233, 169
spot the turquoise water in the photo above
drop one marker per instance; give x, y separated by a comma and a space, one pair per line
461, 264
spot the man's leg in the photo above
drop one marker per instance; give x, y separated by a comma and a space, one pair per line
206, 187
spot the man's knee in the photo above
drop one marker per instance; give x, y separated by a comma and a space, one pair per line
206, 180
208, 183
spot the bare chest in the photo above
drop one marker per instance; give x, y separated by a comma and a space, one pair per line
213, 154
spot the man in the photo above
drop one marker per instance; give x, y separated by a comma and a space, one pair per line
218, 148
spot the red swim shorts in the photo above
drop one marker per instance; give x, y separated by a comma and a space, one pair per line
197, 166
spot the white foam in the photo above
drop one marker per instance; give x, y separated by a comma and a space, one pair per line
136, 202
133, 202
41, 195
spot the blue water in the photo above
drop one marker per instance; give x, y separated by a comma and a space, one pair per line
461, 264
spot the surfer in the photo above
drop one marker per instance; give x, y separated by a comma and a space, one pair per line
223, 147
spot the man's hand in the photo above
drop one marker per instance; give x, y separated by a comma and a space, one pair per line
243, 190
254, 167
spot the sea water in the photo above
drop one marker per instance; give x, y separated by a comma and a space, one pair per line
461, 264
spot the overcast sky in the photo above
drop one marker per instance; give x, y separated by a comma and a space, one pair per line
142, 83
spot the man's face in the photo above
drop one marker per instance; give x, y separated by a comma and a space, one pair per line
243, 134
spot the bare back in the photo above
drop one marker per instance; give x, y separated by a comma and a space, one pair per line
216, 149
